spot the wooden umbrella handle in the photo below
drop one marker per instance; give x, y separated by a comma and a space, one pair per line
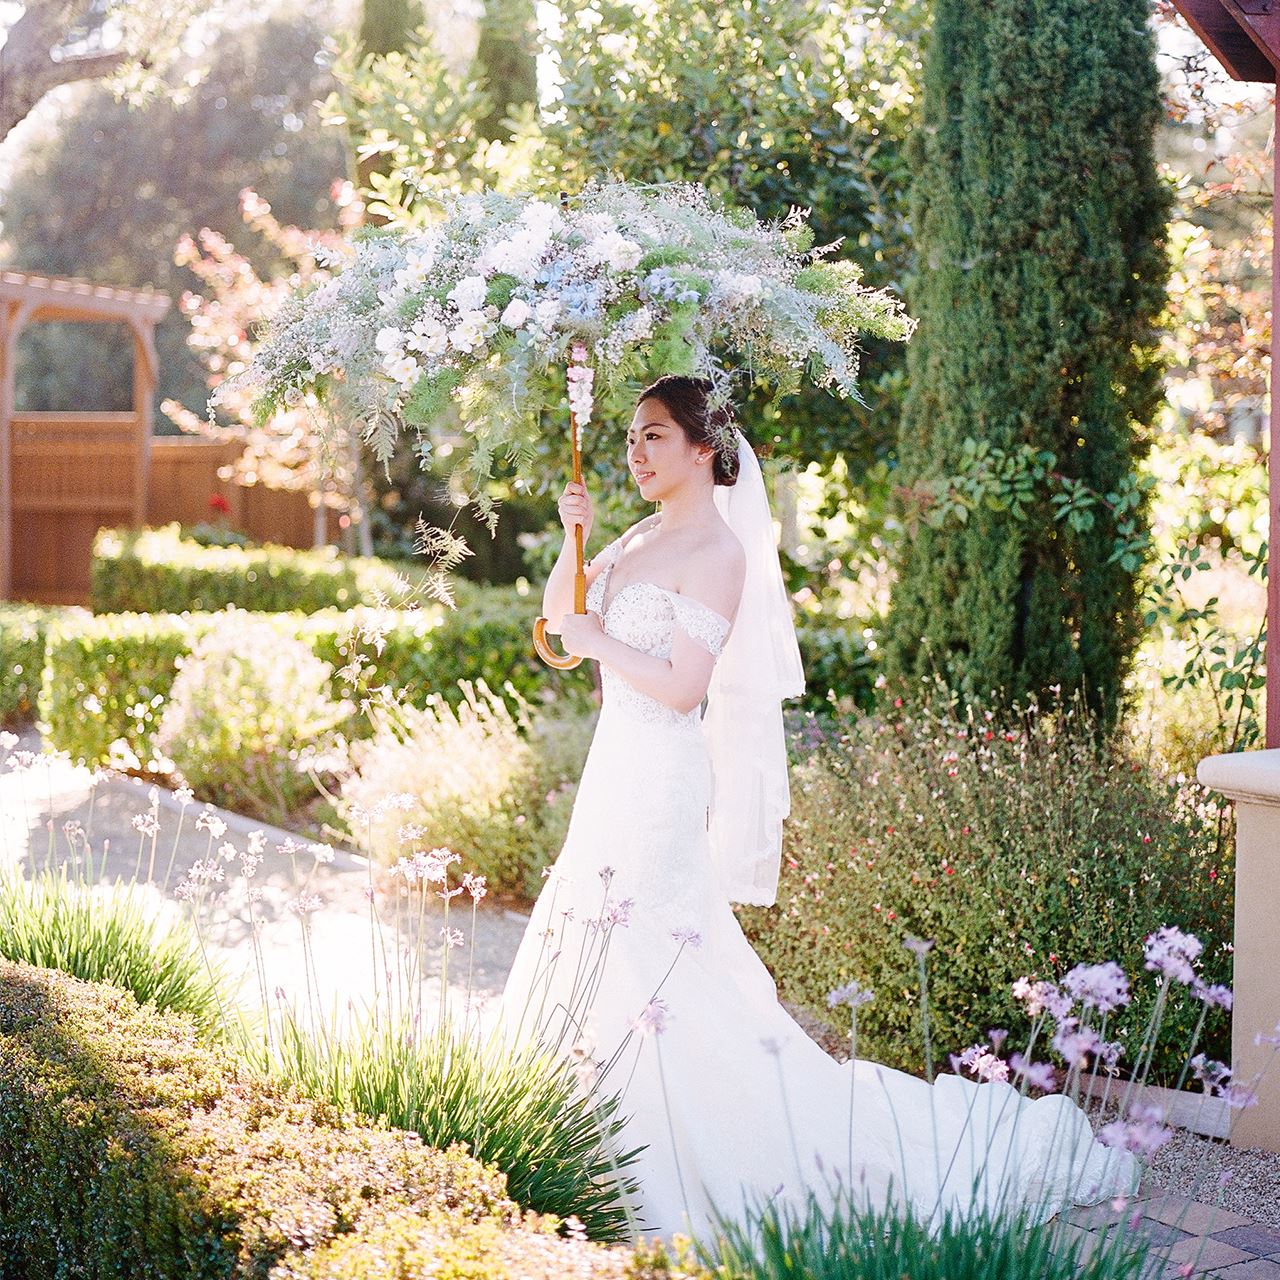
541, 645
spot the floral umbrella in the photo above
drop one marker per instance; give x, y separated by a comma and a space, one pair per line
488, 308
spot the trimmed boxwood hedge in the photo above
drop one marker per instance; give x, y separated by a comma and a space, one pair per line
107, 678
130, 1149
22, 634
161, 571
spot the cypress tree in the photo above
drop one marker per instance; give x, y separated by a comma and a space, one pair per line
1039, 222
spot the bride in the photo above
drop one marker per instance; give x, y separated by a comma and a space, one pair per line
633, 963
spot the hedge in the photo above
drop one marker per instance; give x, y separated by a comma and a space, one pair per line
129, 1149
22, 638
107, 677
161, 571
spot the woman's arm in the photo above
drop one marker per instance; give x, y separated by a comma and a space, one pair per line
680, 681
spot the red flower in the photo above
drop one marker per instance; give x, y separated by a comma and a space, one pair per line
218, 503
949, 870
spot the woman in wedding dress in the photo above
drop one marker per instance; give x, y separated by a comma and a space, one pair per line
633, 962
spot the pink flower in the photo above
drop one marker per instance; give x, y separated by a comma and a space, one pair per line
145, 824
1171, 952
475, 886
687, 937
1038, 1075
452, 937
1098, 986
1075, 1042
984, 1064
1042, 997
1212, 994
653, 1019
852, 994
1144, 1133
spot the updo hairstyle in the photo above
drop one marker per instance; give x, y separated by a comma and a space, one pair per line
687, 401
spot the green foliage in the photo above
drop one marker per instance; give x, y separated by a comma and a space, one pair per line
491, 783
22, 636
884, 1244
162, 571
1020, 844
837, 662
250, 716
515, 1108
1035, 155
107, 678
182, 159
142, 1154
770, 106
106, 934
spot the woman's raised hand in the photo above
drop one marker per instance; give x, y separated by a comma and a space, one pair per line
575, 508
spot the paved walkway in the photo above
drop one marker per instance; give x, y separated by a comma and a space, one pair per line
36, 805
1196, 1239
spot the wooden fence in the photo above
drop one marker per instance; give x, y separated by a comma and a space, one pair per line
71, 474
74, 473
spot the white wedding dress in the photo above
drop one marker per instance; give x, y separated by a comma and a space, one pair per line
732, 1102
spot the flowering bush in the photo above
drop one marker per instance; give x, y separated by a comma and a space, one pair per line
1010, 842
488, 782
484, 308
249, 714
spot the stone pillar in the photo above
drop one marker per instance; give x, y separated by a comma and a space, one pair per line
1252, 780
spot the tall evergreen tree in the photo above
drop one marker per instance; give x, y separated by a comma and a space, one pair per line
1039, 220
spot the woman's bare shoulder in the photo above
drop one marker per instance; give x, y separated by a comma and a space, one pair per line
715, 571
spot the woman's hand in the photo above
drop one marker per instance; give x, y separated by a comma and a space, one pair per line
575, 508
582, 634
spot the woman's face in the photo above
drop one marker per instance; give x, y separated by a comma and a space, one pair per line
660, 455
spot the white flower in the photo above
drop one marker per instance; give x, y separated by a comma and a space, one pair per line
738, 289
429, 336
389, 342
470, 332
468, 294
517, 311
636, 325
324, 294
594, 225
546, 313
402, 369
615, 250
518, 256
417, 266
542, 216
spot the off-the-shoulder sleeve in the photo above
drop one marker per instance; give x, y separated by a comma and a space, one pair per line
699, 622
608, 554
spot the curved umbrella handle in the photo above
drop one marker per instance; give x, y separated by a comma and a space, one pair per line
542, 646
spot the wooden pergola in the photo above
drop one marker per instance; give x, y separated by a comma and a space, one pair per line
63, 475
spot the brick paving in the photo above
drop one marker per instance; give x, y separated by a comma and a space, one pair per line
1191, 1238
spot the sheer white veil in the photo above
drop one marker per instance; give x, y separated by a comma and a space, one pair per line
760, 666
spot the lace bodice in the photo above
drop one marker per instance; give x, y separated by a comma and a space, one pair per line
645, 616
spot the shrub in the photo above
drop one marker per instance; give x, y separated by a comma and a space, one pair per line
1007, 842
107, 678
516, 1108
135, 1152
105, 934
249, 713
836, 661
491, 783
22, 632
160, 570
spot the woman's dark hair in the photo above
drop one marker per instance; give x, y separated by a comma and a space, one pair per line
687, 401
